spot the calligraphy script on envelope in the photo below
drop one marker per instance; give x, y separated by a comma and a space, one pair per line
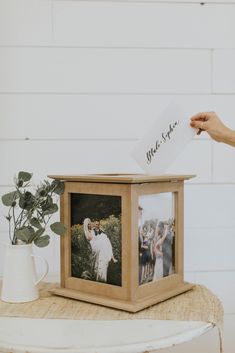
166, 139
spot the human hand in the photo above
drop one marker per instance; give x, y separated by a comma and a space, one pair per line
211, 123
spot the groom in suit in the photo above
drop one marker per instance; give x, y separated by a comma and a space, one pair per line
167, 252
97, 228
98, 231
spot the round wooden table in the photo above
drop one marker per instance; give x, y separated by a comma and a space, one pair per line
23, 335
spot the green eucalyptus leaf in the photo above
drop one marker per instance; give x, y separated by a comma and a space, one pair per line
35, 223
19, 183
32, 234
52, 209
9, 198
25, 176
44, 189
24, 234
43, 241
42, 192
58, 228
32, 231
49, 201
46, 203
26, 201
57, 187
37, 234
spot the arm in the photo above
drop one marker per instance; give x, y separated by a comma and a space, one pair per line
88, 236
157, 249
211, 123
143, 246
151, 234
161, 240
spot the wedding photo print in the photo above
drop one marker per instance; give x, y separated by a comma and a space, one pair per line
96, 239
156, 232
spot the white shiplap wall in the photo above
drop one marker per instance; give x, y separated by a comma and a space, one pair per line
80, 83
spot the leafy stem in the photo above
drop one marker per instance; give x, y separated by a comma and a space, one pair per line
30, 212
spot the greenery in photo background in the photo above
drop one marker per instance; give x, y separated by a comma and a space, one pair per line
96, 206
82, 257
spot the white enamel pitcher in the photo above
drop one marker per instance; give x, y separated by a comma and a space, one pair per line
19, 275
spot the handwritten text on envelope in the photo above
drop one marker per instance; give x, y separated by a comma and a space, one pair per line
158, 149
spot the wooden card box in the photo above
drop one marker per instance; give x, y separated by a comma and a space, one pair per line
124, 242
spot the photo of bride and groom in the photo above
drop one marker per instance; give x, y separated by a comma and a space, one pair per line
96, 238
101, 248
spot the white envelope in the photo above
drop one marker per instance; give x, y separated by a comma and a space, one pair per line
166, 139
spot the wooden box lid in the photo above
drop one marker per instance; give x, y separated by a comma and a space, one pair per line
122, 178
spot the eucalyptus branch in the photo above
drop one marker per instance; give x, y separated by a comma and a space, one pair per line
19, 219
42, 217
9, 220
46, 222
35, 210
25, 223
18, 189
15, 225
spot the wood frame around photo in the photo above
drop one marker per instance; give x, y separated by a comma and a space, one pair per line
130, 296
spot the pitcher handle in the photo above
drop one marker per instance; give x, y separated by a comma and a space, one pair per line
46, 270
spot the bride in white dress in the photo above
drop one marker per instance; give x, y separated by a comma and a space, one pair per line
161, 235
101, 248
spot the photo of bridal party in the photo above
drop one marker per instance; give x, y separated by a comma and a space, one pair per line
96, 238
156, 234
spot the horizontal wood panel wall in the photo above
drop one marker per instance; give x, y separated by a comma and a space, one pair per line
82, 81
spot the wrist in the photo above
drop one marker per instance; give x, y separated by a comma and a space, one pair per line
229, 137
